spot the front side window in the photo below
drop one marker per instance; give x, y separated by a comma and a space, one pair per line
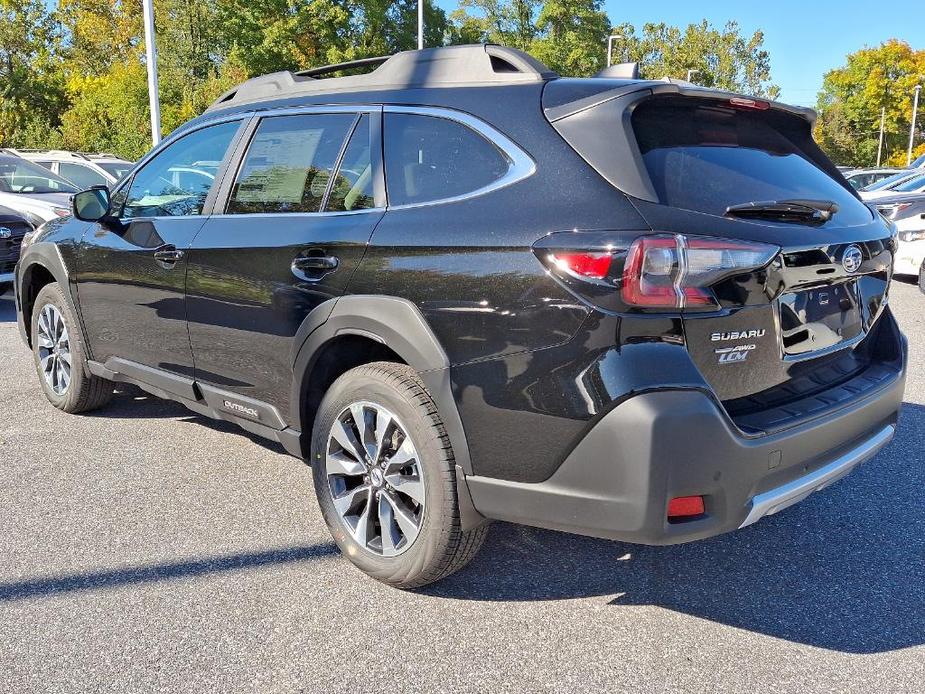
21, 176
83, 176
429, 158
289, 164
177, 181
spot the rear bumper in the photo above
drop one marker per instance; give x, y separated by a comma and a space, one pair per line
656, 446
909, 257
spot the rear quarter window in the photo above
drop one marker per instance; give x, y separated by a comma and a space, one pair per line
704, 156
428, 158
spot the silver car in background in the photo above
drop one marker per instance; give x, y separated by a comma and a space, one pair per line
33, 191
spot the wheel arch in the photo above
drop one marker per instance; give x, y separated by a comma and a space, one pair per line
41, 266
392, 329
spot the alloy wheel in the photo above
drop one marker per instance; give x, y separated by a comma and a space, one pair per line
376, 478
54, 349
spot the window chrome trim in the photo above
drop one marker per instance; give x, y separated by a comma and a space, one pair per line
522, 165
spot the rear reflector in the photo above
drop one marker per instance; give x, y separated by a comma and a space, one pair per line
592, 265
685, 507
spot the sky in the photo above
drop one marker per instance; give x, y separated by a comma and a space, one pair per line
805, 38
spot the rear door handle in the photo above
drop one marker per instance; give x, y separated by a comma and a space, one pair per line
314, 263
313, 267
168, 255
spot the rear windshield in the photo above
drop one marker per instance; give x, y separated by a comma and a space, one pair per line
913, 185
705, 156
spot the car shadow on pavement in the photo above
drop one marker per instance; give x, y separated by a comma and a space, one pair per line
153, 573
7, 308
843, 570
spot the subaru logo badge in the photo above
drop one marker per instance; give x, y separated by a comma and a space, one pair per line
6, 233
852, 258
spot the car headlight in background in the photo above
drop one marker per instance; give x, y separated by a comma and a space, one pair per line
908, 236
61, 211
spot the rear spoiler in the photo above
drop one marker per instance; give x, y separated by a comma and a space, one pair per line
581, 123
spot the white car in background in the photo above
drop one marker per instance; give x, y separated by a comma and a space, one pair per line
916, 184
83, 169
33, 191
861, 178
907, 212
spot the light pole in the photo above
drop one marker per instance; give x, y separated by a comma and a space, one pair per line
882, 124
420, 24
691, 73
610, 47
915, 112
151, 60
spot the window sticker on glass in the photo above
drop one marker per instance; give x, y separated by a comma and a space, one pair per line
289, 164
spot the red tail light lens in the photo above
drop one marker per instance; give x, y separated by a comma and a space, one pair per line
592, 265
674, 271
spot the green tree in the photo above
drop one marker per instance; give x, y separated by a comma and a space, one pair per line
722, 58
31, 89
506, 22
853, 96
573, 36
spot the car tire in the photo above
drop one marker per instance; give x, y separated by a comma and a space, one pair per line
922, 277
55, 342
412, 534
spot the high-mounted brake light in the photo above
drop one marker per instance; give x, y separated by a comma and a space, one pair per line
751, 104
674, 271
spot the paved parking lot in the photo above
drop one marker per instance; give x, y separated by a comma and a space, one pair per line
144, 548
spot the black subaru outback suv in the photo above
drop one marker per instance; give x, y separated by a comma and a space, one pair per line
464, 288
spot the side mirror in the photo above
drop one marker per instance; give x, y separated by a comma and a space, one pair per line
91, 205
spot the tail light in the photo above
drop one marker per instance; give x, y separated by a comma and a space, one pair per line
673, 271
617, 271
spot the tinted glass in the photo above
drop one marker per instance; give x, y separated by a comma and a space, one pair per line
289, 164
353, 184
115, 169
429, 158
21, 176
913, 185
707, 157
889, 181
81, 175
176, 182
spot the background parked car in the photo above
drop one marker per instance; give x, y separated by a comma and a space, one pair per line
907, 211
861, 178
81, 168
33, 191
916, 184
890, 181
13, 227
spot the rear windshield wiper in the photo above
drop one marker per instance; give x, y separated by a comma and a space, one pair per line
786, 210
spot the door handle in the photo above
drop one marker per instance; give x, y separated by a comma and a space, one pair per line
312, 268
316, 262
168, 255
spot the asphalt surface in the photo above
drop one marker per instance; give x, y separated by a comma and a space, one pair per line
144, 548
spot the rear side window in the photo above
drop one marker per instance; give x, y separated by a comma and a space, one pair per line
706, 157
289, 164
83, 176
353, 184
429, 158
